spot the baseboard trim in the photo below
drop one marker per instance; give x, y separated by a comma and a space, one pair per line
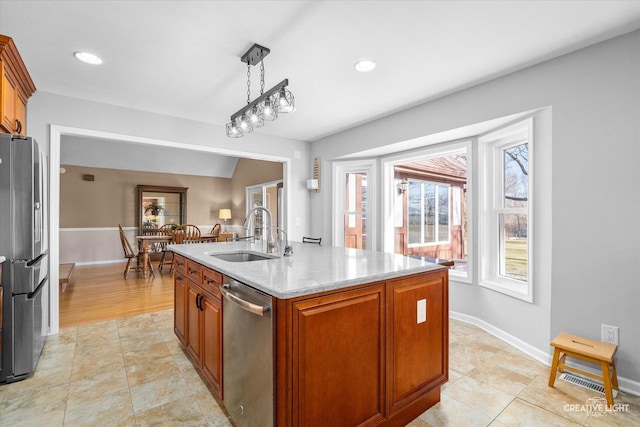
627, 385
109, 261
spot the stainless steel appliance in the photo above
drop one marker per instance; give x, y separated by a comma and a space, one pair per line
248, 386
24, 244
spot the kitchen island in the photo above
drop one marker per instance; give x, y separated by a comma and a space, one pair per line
358, 337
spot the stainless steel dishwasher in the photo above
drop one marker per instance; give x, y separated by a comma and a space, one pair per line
247, 354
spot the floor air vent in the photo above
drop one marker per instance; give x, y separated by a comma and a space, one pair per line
586, 383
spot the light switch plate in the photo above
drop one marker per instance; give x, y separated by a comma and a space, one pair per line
422, 311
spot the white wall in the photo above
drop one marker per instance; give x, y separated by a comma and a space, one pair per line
589, 174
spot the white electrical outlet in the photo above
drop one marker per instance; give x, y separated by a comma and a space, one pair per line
610, 334
422, 311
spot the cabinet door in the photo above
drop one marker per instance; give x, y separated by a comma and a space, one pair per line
9, 95
179, 306
21, 116
338, 359
194, 294
212, 342
417, 345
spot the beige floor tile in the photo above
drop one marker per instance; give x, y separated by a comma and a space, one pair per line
38, 407
524, 414
194, 381
133, 343
182, 361
453, 413
113, 409
147, 355
90, 367
158, 392
465, 357
501, 375
210, 408
145, 373
479, 397
555, 399
183, 412
41, 380
91, 386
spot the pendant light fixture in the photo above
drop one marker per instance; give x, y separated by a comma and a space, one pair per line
267, 106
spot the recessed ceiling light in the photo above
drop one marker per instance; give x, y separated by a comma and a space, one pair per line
88, 58
365, 65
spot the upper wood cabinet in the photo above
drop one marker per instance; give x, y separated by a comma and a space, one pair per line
16, 87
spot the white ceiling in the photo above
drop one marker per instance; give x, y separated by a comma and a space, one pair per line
182, 58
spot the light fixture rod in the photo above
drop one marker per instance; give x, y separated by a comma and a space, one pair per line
256, 101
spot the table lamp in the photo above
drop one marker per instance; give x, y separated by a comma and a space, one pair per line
224, 214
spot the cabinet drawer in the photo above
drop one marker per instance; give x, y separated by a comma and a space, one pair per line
181, 264
194, 271
211, 281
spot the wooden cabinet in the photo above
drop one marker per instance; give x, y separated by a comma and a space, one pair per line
193, 342
373, 354
16, 87
211, 355
179, 307
417, 337
198, 302
338, 358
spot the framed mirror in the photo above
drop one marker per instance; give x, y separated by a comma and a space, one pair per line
158, 205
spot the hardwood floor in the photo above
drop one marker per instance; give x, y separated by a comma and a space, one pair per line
100, 292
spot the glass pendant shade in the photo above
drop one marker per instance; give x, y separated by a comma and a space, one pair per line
234, 130
284, 101
269, 113
245, 123
254, 117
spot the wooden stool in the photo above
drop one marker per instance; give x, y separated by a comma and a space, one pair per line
588, 350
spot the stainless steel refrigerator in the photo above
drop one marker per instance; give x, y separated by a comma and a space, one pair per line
24, 244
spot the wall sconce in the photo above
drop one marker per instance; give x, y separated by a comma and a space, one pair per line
224, 214
312, 184
403, 186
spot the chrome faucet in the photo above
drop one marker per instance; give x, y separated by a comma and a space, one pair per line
270, 243
288, 250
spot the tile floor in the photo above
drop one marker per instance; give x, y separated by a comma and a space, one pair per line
132, 372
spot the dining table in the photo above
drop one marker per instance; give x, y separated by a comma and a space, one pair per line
147, 242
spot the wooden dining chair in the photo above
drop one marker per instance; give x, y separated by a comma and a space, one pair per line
186, 233
215, 231
317, 240
167, 256
130, 254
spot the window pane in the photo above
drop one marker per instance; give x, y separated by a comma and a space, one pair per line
413, 220
516, 180
355, 218
443, 213
429, 212
514, 249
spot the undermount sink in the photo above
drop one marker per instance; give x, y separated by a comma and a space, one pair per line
241, 256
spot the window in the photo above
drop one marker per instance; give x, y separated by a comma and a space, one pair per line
505, 217
426, 204
428, 212
354, 194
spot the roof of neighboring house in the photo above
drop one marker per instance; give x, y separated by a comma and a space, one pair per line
441, 169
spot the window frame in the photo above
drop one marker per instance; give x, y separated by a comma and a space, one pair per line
491, 149
340, 170
441, 149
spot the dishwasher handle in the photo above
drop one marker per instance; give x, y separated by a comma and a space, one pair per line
260, 310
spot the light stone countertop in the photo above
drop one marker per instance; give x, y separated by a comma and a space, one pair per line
311, 269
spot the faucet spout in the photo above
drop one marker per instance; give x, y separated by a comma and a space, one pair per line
270, 243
